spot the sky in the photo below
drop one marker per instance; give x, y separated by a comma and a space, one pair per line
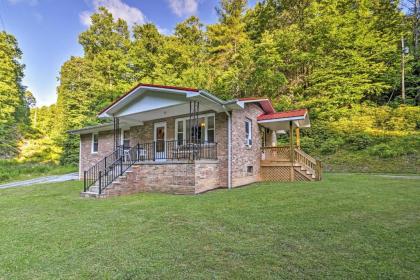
47, 30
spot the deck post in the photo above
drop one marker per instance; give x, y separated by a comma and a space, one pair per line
292, 153
298, 137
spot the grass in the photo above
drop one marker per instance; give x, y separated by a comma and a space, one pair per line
12, 170
347, 226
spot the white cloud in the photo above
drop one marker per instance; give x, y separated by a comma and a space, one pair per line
117, 8
184, 7
164, 31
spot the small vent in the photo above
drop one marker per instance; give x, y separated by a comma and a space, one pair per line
250, 169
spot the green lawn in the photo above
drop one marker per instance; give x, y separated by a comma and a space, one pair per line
347, 226
12, 170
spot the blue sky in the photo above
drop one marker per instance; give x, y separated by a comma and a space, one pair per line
47, 30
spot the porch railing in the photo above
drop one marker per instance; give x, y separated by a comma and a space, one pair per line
94, 173
176, 150
104, 172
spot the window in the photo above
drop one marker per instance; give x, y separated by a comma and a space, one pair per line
210, 129
204, 129
125, 139
95, 143
180, 132
248, 132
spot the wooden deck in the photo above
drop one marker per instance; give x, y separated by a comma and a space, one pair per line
279, 164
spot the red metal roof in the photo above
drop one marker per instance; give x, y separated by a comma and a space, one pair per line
282, 115
147, 85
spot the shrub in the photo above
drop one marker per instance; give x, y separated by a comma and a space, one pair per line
331, 146
383, 150
359, 141
308, 144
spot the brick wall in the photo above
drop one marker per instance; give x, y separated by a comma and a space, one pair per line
105, 147
222, 148
243, 155
166, 177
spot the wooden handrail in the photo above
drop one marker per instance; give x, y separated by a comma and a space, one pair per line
314, 165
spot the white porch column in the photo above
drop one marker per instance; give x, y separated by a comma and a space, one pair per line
273, 138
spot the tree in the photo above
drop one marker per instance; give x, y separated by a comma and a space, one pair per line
230, 50
14, 109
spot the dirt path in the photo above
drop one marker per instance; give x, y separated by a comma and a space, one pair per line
409, 177
40, 180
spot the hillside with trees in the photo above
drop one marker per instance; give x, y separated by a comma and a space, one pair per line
14, 99
341, 59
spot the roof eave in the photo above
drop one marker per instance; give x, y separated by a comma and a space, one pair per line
297, 118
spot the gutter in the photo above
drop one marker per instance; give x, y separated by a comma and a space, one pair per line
229, 147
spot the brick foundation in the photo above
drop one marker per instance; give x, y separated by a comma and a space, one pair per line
167, 177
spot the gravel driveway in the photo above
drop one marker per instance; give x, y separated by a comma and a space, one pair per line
40, 180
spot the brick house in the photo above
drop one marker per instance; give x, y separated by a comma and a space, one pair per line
187, 141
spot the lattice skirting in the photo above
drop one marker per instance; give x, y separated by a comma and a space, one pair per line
275, 173
280, 173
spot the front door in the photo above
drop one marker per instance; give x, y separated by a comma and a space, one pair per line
160, 141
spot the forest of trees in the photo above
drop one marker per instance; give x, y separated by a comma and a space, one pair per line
341, 59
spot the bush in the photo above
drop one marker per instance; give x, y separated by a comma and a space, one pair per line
359, 141
331, 146
308, 144
383, 150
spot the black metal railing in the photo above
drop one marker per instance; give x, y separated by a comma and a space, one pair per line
115, 164
92, 175
176, 150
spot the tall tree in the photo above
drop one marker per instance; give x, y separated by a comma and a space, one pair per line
230, 50
14, 109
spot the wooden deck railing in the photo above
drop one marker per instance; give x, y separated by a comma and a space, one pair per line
278, 153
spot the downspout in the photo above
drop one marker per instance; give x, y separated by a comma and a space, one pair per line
229, 147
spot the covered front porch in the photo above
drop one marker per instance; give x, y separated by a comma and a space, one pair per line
287, 162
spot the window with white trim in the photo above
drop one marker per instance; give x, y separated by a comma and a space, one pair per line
125, 139
180, 124
205, 128
248, 132
95, 143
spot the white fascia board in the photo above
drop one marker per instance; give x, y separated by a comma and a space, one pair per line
92, 129
283, 119
211, 96
254, 100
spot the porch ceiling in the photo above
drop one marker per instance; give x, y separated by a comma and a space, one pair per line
164, 112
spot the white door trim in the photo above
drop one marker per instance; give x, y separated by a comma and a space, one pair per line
155, 126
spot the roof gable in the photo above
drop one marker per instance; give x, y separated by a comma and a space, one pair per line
130, 96
150, 101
